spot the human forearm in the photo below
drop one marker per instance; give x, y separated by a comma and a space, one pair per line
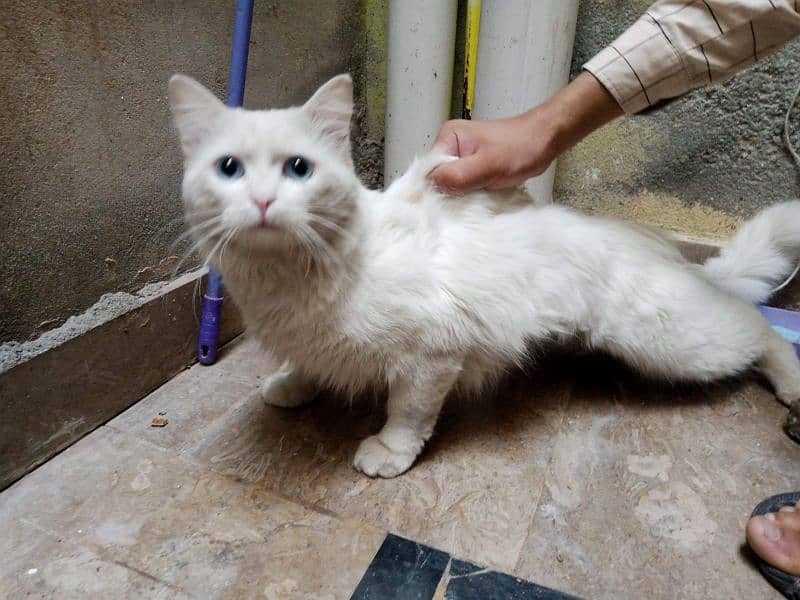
677, 46
504, 152
574, 112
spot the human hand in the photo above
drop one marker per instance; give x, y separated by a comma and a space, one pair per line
505, 152
493, 154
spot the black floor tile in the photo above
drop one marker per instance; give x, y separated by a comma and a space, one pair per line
406, 570
402, 569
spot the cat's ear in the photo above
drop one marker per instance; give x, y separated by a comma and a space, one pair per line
194, 109
331, 107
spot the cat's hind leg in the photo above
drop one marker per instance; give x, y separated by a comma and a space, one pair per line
780, 365
415, 399
287, 388
689, 330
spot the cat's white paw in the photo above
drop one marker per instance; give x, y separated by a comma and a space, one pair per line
373, 458
285, 390
789, 393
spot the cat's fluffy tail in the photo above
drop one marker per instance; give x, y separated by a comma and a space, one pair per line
761, 255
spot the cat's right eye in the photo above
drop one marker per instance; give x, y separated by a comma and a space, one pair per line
229, 167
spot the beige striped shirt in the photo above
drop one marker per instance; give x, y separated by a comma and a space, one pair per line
679, 45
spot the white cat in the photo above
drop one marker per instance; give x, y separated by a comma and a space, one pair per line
418, 293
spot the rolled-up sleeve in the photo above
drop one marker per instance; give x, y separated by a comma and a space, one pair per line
677, 46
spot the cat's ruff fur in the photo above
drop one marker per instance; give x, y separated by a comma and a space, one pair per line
418, 293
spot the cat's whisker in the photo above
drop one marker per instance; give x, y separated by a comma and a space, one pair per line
214, 252
225, 245
330, 225
337, 218
181, 220
207, 237
195, 229
216, 218
326, 254
308, 249
310, 241
219, 248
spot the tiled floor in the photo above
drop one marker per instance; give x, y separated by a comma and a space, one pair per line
576, 476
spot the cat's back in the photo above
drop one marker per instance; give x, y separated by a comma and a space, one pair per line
444, 248
411, 204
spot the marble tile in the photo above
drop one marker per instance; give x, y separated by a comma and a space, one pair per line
650, 487
476, 482
193, 399
471, 493
37, 564
578, 476
188, 528
107, 476
235, 540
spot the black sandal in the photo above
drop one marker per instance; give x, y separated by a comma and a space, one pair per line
792, 425
788, 585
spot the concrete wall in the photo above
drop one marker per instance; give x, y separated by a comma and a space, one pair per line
89, 188
699, 165
91, 168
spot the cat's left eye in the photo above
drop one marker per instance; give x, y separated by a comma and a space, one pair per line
230, 167
298, 167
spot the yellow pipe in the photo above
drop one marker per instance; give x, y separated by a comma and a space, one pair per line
471, 55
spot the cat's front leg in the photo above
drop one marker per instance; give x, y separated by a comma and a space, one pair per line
415, 400
287, 388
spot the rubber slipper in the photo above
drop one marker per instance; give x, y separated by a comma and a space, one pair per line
793, 422
788, 585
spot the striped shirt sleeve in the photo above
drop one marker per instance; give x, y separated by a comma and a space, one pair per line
679, 45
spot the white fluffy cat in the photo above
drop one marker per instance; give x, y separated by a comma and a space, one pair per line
418, 293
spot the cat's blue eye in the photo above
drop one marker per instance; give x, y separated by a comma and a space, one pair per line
229, 167
298, 167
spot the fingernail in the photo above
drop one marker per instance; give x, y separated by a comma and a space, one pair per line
770, 531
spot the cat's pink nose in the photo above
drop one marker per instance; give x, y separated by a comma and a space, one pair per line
263, 204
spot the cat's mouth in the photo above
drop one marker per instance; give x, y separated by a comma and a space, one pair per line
266, 225
262, 232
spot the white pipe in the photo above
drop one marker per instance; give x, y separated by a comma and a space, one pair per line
524, 55
419, 75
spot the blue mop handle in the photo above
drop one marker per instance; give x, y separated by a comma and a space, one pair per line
208, 338
239, 46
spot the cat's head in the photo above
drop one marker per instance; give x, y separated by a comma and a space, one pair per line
266, 180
